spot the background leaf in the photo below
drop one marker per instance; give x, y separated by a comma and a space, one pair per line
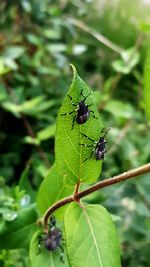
25, 184
91, 237
147, 84
70, 155
18, 233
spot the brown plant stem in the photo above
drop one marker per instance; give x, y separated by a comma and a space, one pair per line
76, 191
114, 180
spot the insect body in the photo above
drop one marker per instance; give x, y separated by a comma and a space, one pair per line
52, 239
82, 111
99, 147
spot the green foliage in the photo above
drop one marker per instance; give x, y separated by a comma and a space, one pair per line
14, 233
147, 84
51, 190
37, 44
91, 237
18, 216
70, 155
45, 258
130, 58
81, 222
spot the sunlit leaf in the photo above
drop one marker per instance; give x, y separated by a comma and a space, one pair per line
47, 132
91, 237
3, 68
31, 140
130, 59
120, 109
70, 155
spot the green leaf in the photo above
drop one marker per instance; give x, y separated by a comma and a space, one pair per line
11, 107
31, 107
31, 140
147, 84
14, 52
120, 109
36, 105
24, 183
18, 233
45, 258
3, 94
70, 155
51, 190
8, 214
3, 68
130, 59
91, 237
47, 132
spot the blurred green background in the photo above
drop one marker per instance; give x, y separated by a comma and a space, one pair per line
38, 41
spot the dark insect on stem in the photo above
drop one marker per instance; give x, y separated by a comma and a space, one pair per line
82, 111
99, 147
52, 240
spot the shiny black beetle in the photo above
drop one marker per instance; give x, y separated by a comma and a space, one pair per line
99, 147
52, 239
82, 111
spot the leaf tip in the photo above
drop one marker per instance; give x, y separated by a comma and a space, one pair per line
73, 69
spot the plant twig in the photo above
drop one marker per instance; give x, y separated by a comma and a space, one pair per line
76, 191
116, 179
101, 38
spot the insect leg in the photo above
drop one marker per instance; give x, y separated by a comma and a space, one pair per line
74, 118
85, 97
62, 254
71, 100
88, 137
52, 221
68, 113
93, 114
89, 156
85, 145
105, 132
40, 240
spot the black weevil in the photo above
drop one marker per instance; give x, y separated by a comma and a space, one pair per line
82, 111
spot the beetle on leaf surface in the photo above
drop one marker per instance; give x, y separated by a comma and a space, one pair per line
82, 111
99, 147
52, 240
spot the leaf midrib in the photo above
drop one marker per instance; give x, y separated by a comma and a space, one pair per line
93, 236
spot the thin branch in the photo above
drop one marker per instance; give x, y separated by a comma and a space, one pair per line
116, 179
101, 38
76, 191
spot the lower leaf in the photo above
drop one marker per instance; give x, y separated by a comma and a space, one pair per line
91, 237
